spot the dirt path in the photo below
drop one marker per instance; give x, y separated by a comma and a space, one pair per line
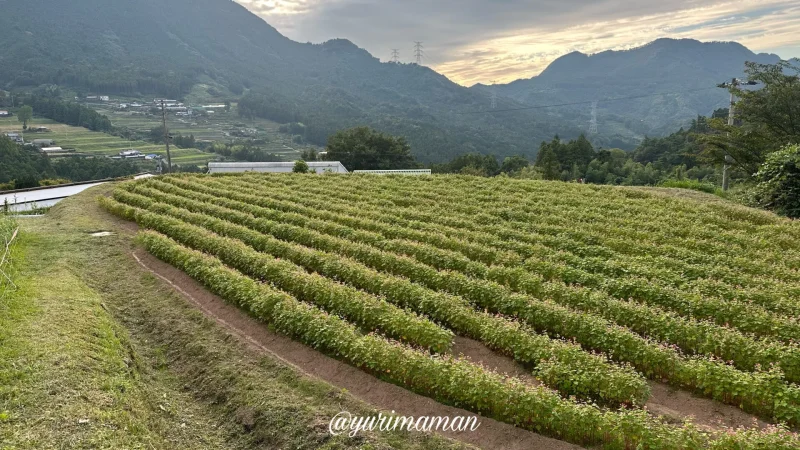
384, 396
676, 405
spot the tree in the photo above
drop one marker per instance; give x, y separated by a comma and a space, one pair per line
767, 119
24, 115
300, 166
363, 148
474, 163
548, 164
514, 164
778, 180
309, 155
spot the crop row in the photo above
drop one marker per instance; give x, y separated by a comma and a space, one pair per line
452, 381
526, 195
560, 365
548, 227
754, 392
726, 309
575, 203
553, 215
693, 336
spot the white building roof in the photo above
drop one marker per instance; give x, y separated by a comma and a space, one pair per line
23, 201
273, 167
395, 172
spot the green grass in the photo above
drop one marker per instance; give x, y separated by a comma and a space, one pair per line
95, 352
694, 185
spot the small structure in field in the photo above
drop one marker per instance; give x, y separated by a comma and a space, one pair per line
5, 114
274, 167
16, 137
50, 150
131, 153
43, 143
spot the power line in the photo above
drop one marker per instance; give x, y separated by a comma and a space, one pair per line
593, 122
395, 55
525, 108
418, 52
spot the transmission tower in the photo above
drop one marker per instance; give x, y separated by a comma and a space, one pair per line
418, 52
593, 122
494, 94
395, 55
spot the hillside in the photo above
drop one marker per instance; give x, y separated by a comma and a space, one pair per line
540, 306
687, 67
99, 350
164, 47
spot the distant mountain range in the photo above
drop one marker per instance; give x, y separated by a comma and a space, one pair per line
686, 71
165, 47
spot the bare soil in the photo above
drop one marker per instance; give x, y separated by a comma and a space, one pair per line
479, 353
673, 405
676, 405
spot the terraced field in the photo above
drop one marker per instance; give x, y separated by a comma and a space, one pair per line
216, 127
607, 297
89, 142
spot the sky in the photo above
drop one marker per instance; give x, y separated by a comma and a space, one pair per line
485, 41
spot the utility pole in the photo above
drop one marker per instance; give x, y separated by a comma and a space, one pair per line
593, 122
167, 137
395, 55
494, 94
735, 82
418, 52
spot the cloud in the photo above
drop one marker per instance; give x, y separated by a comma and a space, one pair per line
483, 40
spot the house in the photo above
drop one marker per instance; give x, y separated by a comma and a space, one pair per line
274, 167
5, 114
104, 98
16, 137
39, 130
54, 150
43, 142
131, 153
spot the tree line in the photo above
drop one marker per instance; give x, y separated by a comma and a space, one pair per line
21, 168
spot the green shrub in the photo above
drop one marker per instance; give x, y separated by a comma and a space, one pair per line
702, 186
778, 181
300, 166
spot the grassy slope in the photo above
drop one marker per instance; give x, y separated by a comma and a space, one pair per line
91, 336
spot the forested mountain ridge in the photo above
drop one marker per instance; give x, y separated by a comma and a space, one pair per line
164, 47
686, 69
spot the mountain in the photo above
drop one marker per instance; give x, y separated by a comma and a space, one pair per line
164, 47
686, 69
